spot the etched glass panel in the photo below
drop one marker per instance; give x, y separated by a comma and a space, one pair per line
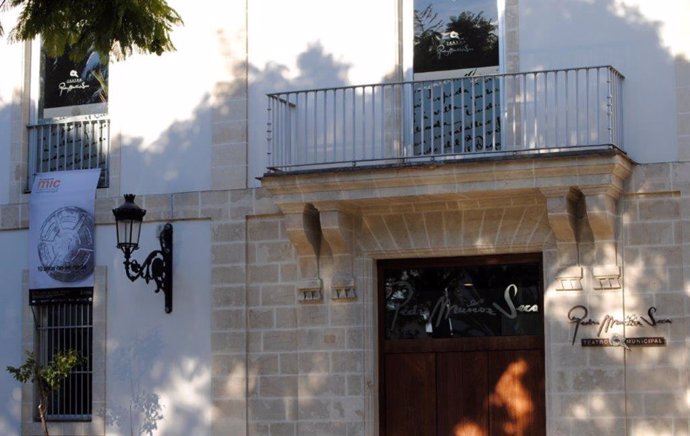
463, 301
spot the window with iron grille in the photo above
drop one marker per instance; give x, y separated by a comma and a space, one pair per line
64, 324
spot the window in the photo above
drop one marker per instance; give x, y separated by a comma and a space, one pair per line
64, 321
72, 130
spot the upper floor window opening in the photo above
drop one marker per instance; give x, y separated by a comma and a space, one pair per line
71, 129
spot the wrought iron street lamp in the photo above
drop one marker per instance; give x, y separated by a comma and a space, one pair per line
158, 264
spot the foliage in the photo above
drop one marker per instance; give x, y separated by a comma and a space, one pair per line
47, 378
427, 27
114, 26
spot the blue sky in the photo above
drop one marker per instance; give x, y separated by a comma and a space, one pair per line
447, 8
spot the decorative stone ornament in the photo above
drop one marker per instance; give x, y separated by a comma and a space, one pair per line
343, 288
570, 279
310, 291
606, 277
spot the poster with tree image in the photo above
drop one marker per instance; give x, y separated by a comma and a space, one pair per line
74, 87
455, 35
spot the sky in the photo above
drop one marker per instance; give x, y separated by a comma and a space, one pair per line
447, 8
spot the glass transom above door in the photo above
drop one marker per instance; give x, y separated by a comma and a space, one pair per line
446, 301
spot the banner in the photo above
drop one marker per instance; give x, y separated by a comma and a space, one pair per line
61, 229
74, 88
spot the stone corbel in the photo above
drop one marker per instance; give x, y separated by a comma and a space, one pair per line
560, 208
338, 229
601, 203
303, 231
562, 205
601, 211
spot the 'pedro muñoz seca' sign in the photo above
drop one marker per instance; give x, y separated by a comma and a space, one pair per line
579, 315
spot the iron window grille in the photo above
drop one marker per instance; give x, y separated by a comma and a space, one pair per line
64, 324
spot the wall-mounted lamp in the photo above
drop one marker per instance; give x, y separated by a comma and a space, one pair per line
158, 264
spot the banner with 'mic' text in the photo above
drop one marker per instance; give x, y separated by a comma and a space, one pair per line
61, 229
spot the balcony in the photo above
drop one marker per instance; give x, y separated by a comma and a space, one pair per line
475, 117
72, 144
436, 168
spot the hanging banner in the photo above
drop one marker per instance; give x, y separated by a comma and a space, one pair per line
74, 88
61, 229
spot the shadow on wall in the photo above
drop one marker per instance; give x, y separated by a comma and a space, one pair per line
138, 410
11, 351
216, 134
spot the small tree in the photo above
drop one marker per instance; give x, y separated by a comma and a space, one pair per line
47, 378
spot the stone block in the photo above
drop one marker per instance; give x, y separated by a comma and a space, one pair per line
267, 410
346, 314
263, 230
278, 386
288, 363
312, 315
321, 385
279, 340
264, 364
286, 317
655, 209
227, 319
263, 273
314, 409
261, 318
314, 362
277, 295
347, 361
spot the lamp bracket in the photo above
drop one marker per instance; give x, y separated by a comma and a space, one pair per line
157, 266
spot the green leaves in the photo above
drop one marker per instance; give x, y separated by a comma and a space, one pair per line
114, 26
48, 377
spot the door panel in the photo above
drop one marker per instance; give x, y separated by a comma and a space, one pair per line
462, 396
516, 399
410, 395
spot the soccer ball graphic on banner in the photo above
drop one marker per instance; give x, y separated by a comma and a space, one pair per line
65, 247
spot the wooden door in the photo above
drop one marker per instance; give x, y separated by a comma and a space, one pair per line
449, 385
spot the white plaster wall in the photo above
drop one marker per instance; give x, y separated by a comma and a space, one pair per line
627, 34
160, 106
304, 44
11, 69
154, 358
13, 261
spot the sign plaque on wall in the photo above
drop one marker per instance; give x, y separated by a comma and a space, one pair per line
579, 315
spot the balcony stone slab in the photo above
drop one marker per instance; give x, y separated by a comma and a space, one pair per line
361, 188
573, 190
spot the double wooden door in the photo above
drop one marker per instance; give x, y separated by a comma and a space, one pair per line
462, 348
464, 393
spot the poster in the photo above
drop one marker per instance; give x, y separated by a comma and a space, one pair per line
74, 88
455, 35
61, 229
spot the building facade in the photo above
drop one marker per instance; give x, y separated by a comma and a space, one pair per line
383, 223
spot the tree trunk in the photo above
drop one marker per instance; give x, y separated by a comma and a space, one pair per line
42, 415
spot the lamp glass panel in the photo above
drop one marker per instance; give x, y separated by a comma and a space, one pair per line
128, 232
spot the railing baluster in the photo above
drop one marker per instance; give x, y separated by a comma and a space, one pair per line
598, 107
535, 78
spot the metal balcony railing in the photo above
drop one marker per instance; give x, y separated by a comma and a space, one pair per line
456, 118
73, 144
